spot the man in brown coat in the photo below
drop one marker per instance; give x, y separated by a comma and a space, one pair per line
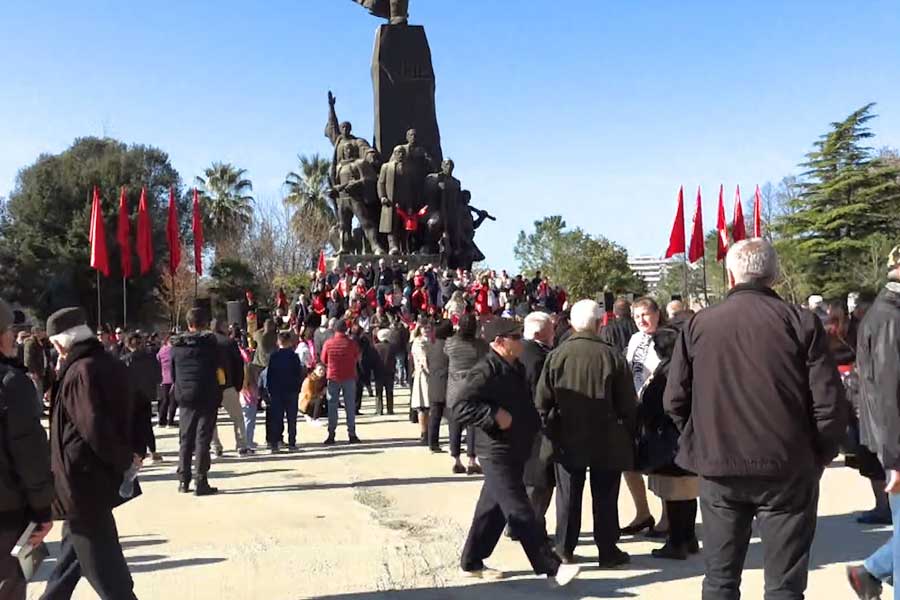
91, 450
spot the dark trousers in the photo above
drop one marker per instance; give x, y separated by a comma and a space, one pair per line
456, 440
384, 388
785, 511
435, 414
282, 407
90, 548
540, 497
12, 584
682, 521
195, 433
605, 502
503, 500
166, 405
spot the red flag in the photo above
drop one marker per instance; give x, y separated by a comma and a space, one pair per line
321, 268
722, 227
97, 237
697, 249
676, 238
738, 226
757, 214
172, 234
198, 235
124, 235
144, 235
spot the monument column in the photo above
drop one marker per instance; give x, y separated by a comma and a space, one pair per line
404, 88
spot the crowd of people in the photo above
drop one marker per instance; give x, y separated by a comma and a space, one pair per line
733, 411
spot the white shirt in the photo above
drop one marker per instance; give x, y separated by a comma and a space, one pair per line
642, 358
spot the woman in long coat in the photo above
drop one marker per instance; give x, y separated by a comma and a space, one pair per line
438, 367
677, 488
463, 350
419, 399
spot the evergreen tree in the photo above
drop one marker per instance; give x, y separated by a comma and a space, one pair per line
848, 196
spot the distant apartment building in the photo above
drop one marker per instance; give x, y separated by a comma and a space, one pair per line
650, 268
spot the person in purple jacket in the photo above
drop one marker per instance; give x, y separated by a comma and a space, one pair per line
166, 404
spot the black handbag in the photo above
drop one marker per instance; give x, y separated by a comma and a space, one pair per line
657, 446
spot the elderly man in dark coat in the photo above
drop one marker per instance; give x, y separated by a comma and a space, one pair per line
91, 449
539, 477
587, 401
757, 398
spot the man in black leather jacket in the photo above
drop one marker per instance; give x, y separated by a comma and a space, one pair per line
495, 398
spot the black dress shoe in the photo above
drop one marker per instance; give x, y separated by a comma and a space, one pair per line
657, 534
636, 528
437, 450
863, 583
566, 558
355, 440
474, 470
671, 552
617, 559
459, 470
329, 441
693, 546
204, 489
184, 487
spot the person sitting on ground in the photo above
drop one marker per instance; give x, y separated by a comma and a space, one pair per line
312, 394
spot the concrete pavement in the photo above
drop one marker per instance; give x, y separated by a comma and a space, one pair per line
386, 519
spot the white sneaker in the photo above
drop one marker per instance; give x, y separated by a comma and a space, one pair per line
308, 419
484, 573
316, 423
566, 574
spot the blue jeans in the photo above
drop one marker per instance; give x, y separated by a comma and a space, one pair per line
335, 390
249, 422
881, 564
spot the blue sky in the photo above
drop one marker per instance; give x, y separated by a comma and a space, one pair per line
596, 110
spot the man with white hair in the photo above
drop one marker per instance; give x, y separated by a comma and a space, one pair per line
757, 397
587, 401
539, 478
91, 448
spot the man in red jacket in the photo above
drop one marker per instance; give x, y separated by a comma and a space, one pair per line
340, 355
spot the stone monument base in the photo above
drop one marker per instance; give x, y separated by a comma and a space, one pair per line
408, 262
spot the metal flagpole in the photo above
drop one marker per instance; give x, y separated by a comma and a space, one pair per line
705, 286
124, 304
99, 311
685, 272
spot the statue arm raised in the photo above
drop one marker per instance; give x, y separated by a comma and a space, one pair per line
333, 128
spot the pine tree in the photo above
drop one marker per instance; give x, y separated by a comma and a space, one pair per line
848, 195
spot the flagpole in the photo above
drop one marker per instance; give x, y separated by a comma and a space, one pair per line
705, 286
124, 304
685, 273
99, 312
174, 317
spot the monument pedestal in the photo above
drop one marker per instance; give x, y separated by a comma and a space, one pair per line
404, 86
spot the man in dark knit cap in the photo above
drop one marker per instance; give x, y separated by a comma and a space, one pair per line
91, 449
26, 484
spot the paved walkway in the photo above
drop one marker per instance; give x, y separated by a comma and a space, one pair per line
359, 522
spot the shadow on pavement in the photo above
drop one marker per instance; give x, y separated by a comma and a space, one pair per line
343, 485
516, 589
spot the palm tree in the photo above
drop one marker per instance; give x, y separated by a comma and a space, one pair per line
309, 189
228, 209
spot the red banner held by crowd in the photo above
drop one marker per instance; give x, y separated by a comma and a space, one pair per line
321, 268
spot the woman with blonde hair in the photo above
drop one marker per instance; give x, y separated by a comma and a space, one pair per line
419, 399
